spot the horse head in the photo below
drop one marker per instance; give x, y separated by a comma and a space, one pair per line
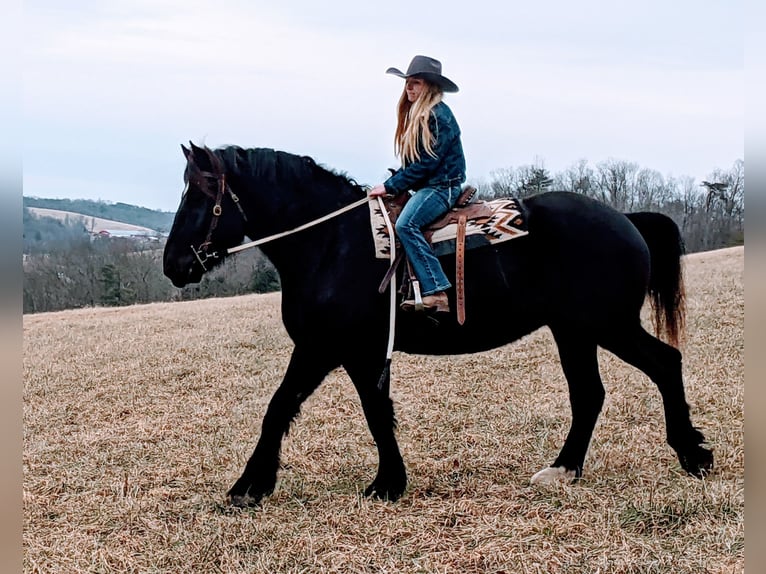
209, 219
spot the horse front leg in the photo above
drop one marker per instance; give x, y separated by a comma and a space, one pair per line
365, 370
306, 371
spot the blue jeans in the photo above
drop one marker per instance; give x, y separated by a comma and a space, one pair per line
424, 207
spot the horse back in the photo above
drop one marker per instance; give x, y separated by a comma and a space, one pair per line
582, 263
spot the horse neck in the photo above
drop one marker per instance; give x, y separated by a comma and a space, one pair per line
282, 200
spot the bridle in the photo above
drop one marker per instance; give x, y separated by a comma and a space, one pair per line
201, 253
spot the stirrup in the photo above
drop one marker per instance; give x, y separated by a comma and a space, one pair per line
416, 303
418, 298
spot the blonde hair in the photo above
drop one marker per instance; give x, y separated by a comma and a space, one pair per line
412, 124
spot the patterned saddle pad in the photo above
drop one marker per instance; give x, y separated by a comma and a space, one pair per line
503, 221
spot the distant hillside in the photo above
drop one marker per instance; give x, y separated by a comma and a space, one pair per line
121, 212
90, 223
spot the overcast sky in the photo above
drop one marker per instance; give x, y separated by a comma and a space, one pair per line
113, 87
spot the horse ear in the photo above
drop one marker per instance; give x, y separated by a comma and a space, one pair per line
187, 152
199, 156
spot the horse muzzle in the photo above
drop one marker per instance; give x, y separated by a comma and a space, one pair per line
183, 271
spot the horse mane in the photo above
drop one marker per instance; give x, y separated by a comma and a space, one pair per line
273, 164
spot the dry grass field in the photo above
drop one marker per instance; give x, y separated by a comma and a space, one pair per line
138, 419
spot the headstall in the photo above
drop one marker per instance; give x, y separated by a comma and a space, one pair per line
201, 253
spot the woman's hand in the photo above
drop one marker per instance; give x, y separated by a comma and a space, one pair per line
377, 191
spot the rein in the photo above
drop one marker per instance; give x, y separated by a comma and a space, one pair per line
299, 228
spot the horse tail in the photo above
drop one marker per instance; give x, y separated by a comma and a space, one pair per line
666, 283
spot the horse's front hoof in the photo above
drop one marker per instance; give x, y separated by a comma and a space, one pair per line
698, 462
391, 490
383, 493
244, 495
242, 500
554, 475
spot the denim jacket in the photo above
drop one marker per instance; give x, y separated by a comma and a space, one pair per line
447, 169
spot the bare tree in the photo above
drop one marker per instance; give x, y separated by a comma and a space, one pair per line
614, 183
503, 183
578, 178
650, 192
724, 205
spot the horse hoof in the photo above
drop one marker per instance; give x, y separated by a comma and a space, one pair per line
699, 462
380, 491
554, 474
245, 496
242, 500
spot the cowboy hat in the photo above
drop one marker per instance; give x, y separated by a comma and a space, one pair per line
428, 69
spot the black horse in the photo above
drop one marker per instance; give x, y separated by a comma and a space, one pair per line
584, 270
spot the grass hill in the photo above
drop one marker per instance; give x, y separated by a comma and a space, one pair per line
90, 223
118, 212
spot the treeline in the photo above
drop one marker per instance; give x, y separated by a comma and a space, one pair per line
64, 267
710, 214
122, 212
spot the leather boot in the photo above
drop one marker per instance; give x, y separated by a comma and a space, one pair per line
435, 303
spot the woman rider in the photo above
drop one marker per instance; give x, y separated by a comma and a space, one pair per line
427, 141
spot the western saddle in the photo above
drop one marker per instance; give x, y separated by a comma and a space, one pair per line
465, 208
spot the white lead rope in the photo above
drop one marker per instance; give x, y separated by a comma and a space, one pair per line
392, 284
263, 240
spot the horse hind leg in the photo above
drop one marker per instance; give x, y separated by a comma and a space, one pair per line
306, 371
662, 364
579, 361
